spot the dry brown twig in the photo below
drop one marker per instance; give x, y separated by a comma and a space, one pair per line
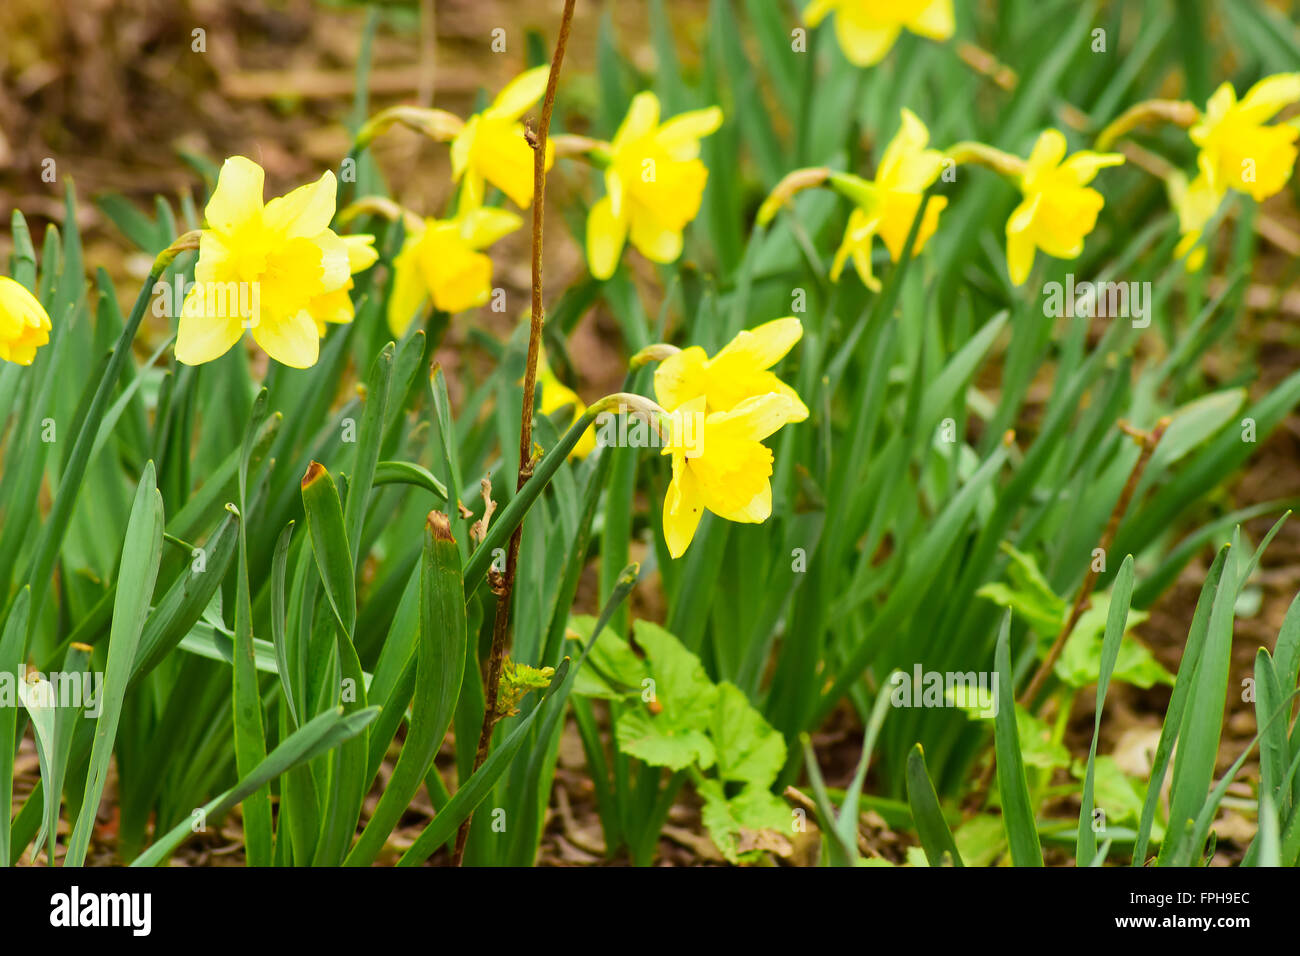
505, 589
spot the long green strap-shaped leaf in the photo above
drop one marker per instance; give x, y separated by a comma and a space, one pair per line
362, 478
1201, 726
12, 639
189, 596
842, 852
440, 668
333, 556
847, 822
541, 760
141, 553
1120, 596
931, 827
47, 547
1188, 851
325, 731
1178, 703
1274, 751
477, 787
250, 733
1017, 811
408, 473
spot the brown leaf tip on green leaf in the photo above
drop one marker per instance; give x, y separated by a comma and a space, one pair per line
78, 646
314, 471
440, 526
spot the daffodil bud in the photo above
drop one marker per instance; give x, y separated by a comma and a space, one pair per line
785, 190
652, 353
186, 242
438, 125
1178, 112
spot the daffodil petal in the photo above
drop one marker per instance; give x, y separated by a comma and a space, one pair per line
683, 508
816, 11
305, 212
765, 345
520, 94
1084, 165
642, 117
291, 340
201, 338
361, 252
681, 377
238, 197
1020, 244
753, 419
409, 293
483, 226
655, 241
681, 135
606, 234
1270, 95
936, 21
460, 148
864, 43
1049, 149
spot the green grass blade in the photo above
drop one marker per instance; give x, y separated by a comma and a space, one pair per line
931, 827
1116, 620
1017, 812
440, 667
141, 553
317, 736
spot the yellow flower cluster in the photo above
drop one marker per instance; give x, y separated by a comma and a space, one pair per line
279, 270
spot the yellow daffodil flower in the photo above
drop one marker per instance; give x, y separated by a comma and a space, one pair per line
1196, 203
887, 206
441, 261
555, 396
1239, 150
867, 29
261, 266
1059, 209
24, 323
720, 465
491, 146
654, 184
738, 372
336, 307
